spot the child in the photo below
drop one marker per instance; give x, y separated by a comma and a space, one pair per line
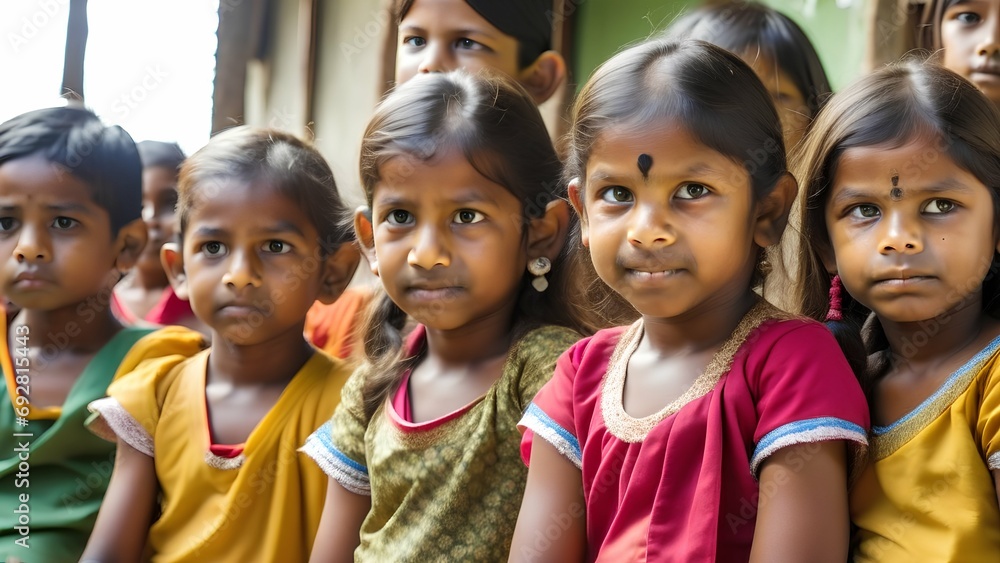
633, 454
969, 34
510, 36
775, 47
466, 230
70, 227
214, 436
902, 177
145, 293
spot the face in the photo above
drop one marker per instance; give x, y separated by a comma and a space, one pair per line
159, 198
970, 35
445, 35
788, 100
674, 244
448, 243
252, 265
916, 253
55, 241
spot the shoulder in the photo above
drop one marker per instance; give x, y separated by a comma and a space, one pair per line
545, 341
791, 332
172, 342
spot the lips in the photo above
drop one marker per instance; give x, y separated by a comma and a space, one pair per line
30, 278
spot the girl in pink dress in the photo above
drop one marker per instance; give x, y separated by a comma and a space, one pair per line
716, 427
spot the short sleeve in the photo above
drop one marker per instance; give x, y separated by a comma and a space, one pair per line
338, 446
537, 354
804, 392
132, 409
988, 425
550, 416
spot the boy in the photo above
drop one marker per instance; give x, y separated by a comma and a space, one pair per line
70, 226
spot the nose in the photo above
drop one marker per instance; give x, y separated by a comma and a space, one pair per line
32, 245
900, 235
434, 58
429, 249
989, 43
243, 271
649, 227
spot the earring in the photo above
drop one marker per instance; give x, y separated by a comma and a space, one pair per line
538, 268
835, 313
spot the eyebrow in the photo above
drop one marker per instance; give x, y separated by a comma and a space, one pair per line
70, 208
948, 185
464, 198
696, 169
464, 31
281, 227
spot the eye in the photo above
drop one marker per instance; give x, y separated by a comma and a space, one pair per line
692, 191
414, 41
939, 206
469, 44
63, 223
213, 248
277, 247
865, 211
617, 194
468, 216
399, 217
7, 223
968, 18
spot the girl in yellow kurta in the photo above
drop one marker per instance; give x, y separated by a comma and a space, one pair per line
214, 437
903, 188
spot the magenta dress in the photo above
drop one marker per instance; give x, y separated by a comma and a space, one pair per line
681, 484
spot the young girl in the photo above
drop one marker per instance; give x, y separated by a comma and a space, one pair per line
715, 428
902, 180
466, 229
145, 293
214, 437
775, 47
969, 35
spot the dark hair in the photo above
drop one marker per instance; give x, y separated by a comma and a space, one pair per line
709, 91
889, 108
751, 28
161, 155
103, 158
929, 30
528, 21
494, 123
277, 159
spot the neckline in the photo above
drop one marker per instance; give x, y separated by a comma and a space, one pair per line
629, 429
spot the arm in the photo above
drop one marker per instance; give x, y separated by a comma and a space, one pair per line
340, 525
802, 512
127, 510
553, 494
996, 482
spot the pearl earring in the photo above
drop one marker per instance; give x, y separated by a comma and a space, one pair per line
538, 268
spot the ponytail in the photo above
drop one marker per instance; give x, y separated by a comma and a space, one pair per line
383, 346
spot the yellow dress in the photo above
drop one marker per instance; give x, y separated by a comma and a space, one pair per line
928, 493
262, 505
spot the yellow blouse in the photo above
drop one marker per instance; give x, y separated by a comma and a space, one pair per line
263, 505
928, 493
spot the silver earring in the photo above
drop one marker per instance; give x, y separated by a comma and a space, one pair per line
538, 268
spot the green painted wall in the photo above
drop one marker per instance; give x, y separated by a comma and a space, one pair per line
604, 26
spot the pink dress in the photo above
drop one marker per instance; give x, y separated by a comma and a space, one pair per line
681, 484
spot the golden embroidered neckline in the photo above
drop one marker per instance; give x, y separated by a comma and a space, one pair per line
632, 430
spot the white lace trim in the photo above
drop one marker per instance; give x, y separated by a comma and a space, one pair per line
116, 422
350, 478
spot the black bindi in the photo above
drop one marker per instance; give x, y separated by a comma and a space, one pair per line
896, 193
644, 163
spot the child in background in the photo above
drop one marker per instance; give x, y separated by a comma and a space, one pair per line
510, 36
213, 438
467, 231
776, 49
145, 293
715, 428
969, 34
902, 177
70, 227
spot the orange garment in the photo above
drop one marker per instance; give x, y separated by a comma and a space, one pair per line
332, 328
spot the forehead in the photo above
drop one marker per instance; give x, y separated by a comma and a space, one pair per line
446, 14
35, 179
234, 203
921, 162
448, 178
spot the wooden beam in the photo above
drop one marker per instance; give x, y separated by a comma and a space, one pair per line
76, 49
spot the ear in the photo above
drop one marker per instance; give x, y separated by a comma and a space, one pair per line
366, 236
338, 270
772, 212
173, 264
547, 234
544, 76
576, 199
129, 243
